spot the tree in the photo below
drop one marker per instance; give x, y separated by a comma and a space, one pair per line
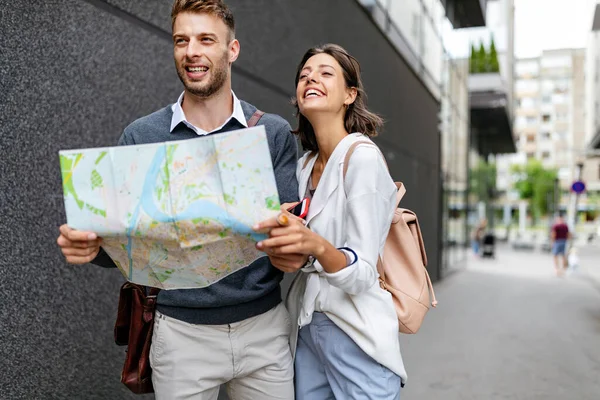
536, 185
483, 181
481, 59
493, 66
473, 60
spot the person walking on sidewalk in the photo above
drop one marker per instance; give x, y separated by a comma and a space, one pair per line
559, 235
236, 331
347, 345
477, 236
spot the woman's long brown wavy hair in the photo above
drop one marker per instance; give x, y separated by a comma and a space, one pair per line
357, 118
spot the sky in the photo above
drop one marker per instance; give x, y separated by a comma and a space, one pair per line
539, 25
551, 24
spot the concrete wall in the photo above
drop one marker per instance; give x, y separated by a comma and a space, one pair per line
74, 73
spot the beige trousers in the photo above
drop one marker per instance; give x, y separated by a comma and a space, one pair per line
252, 357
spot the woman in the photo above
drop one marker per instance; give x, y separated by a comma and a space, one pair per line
347, 345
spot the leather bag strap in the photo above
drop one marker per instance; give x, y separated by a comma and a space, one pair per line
255, 118
401, 189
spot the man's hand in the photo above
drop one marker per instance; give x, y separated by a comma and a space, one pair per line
78, 247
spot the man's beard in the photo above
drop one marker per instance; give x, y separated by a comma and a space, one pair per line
218, 77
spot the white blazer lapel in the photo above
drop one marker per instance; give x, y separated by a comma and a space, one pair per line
327, 185
330, 179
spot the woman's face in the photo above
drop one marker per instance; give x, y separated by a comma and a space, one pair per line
322, 87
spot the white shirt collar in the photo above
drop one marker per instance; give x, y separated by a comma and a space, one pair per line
179, 116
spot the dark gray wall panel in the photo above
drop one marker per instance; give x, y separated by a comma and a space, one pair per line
74, 73
75, 77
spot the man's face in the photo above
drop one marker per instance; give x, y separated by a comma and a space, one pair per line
203, 52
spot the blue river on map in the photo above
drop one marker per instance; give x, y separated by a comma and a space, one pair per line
197, 209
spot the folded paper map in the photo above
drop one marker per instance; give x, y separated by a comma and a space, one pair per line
178, 214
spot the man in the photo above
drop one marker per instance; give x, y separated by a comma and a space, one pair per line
559, 235
235, 331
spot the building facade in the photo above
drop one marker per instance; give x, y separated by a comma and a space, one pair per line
106, 63
420, 30
552, 101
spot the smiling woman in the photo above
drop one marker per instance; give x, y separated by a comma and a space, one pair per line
333, 64
345, 333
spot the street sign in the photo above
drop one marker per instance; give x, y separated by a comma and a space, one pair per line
578, 187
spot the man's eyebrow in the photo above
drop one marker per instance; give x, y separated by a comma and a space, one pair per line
202, 34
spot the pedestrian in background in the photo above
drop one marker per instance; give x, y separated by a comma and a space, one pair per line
477, 236
559, 235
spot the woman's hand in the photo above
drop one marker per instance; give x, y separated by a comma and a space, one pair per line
288, 235
284, 262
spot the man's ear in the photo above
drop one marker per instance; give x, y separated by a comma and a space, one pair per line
351, 94
234, 50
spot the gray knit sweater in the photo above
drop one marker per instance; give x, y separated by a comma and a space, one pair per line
252, 290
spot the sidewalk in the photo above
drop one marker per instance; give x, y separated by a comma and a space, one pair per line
510, 329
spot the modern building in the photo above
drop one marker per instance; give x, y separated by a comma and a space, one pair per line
552, 98
106, 63
593, 80
419, 30
592, 168
490, 104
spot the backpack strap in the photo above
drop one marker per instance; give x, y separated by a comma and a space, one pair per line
255, 118
401, 189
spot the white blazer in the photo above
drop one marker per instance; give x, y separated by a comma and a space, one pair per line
354, 213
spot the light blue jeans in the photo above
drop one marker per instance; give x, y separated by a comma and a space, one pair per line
329, 365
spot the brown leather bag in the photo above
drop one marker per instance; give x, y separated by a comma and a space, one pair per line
135, 323
133, 328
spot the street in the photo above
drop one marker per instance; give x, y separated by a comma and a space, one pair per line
509, 328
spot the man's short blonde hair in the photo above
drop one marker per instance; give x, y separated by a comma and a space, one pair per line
213, 7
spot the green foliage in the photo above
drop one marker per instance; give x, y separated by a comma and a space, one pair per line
536, 185
483, 180
493, 66
482, 60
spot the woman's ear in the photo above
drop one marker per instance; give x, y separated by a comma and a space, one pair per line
351, 94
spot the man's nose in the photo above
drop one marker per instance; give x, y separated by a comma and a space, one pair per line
194, 49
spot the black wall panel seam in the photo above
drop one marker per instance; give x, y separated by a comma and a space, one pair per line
155, 30
406, 153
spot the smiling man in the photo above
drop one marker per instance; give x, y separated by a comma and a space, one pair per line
235, 331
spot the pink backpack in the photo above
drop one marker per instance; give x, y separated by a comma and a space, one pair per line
402, 270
